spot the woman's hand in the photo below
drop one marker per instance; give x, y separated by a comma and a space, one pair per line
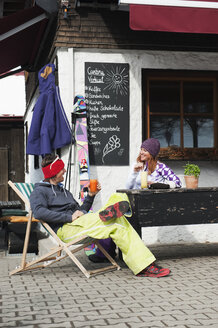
138, 167
93, 193
76, 215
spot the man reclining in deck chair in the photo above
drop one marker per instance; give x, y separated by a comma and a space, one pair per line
52, 203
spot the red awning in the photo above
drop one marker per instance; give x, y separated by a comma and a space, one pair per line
21, 34
174, 16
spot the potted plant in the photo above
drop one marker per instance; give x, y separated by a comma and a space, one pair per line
191, 175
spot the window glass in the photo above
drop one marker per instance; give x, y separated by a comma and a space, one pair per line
164, 96
181, 108
166, 130
198, 132
198, 97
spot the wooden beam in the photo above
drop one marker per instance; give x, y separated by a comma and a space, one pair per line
1, 8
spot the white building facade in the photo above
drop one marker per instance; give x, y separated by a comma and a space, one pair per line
71, 81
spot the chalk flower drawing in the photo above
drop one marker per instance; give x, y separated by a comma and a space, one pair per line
113, 143
117, 80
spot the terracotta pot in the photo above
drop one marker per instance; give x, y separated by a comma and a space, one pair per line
191, 182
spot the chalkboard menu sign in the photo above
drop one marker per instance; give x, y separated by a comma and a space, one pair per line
107, 98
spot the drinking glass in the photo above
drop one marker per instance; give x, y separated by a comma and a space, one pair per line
144, 179
93, 185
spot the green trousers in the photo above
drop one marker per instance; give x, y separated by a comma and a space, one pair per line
135, 254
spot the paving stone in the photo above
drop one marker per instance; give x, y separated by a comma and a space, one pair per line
190, 321
148, 324
23, 323
61, 296
62, 321
128, 319
119, 325
105, 316
8, 324
71, 307
179, 326
57, 325
90, 323
206, 326
17, 318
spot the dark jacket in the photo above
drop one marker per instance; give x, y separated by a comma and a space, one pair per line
55, 205
49, 128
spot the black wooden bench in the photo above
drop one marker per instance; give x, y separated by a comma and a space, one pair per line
166, 207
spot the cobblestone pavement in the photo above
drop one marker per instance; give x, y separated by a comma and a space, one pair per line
60, 296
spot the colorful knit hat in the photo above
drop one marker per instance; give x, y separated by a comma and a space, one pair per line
152, 145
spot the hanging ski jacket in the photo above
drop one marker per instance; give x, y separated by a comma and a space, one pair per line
50, 128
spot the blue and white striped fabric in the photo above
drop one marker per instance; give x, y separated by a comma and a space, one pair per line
25, 188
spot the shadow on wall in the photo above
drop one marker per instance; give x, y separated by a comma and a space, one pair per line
169, 235
185, 250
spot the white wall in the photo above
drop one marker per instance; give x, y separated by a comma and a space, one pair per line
12, 91
33, 175
71, 64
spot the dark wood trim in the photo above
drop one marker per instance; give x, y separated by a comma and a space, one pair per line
181, 116
181, 153
27, 156
188, 153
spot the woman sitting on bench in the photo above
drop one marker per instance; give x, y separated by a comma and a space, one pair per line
157, 172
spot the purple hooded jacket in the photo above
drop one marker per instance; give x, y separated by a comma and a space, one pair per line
50, 128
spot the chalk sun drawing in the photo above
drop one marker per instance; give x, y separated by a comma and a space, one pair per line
117, 80
111, 145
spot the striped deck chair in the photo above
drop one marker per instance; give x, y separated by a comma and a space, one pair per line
23, 190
